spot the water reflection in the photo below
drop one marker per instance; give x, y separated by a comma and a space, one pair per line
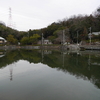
2, 54
85, 65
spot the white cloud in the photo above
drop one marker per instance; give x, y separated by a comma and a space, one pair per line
32, 14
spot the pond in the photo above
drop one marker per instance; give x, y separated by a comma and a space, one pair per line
49, 75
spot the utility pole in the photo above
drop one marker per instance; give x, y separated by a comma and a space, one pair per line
90, 35
77, 37
28, 34
42, 40
63, 37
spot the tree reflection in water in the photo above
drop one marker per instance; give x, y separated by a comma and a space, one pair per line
85, 65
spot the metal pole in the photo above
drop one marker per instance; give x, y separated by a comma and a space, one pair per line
90, 35
28, 34
77, 37
42, 39
63, 37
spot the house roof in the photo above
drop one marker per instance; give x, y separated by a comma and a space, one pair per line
96, 33
1, 38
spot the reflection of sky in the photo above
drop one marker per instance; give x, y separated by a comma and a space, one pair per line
21, 67
1, 56
40, 82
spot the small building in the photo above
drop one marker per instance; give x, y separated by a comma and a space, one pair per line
46, 41
95, 33
2, 40
90, 35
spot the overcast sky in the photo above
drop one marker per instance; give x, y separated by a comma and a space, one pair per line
36, 14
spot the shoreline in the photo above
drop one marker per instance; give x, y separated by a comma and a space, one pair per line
29, 47
64, 47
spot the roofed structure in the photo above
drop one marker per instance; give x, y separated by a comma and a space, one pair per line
2, 40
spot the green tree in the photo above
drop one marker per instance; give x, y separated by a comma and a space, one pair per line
52, 38
2, 30
25, 40
34, 38
84, 35
11, 39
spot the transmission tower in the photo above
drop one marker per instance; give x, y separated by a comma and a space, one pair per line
10, 18
11, 72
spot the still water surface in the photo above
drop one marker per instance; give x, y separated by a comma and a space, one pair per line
49, 75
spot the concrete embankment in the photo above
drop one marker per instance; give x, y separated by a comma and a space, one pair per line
62, 47
73, 47
29, 47
19, 47
90, 47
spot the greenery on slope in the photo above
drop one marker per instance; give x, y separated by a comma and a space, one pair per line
74, 24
